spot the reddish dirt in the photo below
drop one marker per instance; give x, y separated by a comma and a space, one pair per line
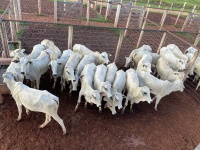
174, 126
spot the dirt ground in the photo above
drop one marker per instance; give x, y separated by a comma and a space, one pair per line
174, 126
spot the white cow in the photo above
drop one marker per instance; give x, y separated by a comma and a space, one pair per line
177, 52
145, 63
57, 66
116, 90
111, 72
174, 62
159, 87
190, 50
34, 100
37, 67
143, 49
70, 66
91, 96
135, 94
99, 81
166, 73
37, 49
50, 45
87, 59
82, 49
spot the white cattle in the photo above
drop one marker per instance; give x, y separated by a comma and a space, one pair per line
70, 66
197, 71
91, 96
99, 81
145, 63
174, 62
190, 50
116, 90
166, 73
37, 49
177, 52
50, 45
17, 53
14, 68
37, 67
87, 59
111, 72
57, 66
142, 49
34, 100
101, 58
82, 49
159, 87
135, 94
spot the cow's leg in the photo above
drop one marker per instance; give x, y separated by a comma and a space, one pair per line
61, 83
60, 121
70, 88
85, 104
27, 111
38, 83
79, 101
126, 103
47, 120
54, 84
198, 85
157, 101
131, 106
19, 106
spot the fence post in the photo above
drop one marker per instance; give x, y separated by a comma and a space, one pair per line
163, 18
180, 13
39, 7
117, 15
160, 3
108, 9
135, 3
19, 9
4, 39
70, 37
55, 11
88, 13
95, 5
121, 36
12, 26
148, 3
185, 22
81, 11
164, 37
64, 5
141, 18
128, 22
16, 14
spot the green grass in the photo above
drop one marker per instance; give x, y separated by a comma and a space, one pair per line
41, 14
20, 33
99, 18
24, 24
1, 11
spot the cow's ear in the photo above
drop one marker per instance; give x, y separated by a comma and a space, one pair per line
15, 61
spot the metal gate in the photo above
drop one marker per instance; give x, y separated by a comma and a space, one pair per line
70, 12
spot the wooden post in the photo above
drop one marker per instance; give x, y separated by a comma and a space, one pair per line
95, 5
185, 22
163, 19
180, 13
121, 36
197, 39
135, 3
162, 42
88, 13
108, 9
148, 3
4, 39
141, 34
117, 15
81, 11
141, 18
64, 5
70, 37
101, 7
128, 22
12, 26
171, 5
55, 11
39, 7
160, 4
19, 9
16, 14
147, 13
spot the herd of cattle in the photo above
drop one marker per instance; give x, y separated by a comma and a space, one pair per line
99, 79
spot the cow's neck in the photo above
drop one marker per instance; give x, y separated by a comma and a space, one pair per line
10, 84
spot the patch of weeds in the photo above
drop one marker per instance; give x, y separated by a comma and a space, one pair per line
116, 31
1, 11
24, 24
20, 33
41, 15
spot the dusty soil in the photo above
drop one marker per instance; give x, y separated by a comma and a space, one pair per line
174, 126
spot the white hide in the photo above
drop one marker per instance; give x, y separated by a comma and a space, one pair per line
177, 52
37, 49
57, 66
91, 96
166, 73
174, 62
82, 49
99, 81
159, 87
37, 67
50, 45
111, 72
145, 63
135, 93
190, 50
34, 100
